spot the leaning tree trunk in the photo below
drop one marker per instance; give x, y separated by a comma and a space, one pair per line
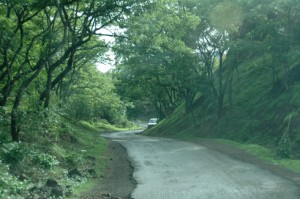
45, 95
15, 122
48, 89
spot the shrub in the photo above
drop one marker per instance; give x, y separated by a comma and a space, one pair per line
13, 153
47, 161
124, 123
10, 186
4, 138
73, 159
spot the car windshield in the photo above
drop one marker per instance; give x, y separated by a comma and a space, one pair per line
153, 120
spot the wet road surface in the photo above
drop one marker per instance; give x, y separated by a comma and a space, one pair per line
170, 169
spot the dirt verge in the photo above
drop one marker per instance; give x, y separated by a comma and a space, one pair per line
117, 181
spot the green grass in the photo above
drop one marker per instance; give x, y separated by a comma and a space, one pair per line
104, 127
265, 154
256, 120
71, 144
68, 145
171, 125
83, 188
100, 165
93, 145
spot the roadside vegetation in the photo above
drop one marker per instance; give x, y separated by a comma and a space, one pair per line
179, 126
56, 165
219, 69
206, 68
54, 102
265, 154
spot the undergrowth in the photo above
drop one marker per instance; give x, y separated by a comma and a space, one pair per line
52, 163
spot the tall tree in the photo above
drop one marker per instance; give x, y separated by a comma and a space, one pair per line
42, 36
152, 49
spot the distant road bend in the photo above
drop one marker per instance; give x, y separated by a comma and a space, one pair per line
170, 169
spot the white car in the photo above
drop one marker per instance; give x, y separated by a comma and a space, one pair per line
152, 122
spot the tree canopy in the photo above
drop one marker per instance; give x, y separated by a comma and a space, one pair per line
43, 41
183, 49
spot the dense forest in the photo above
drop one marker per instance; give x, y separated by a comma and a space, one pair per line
53, 99
180, 48
48, 54
230, 67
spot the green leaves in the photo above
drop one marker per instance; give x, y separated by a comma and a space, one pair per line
41, 42
14, 153
227, 16
163, 26
92, 97
45, 160
152, 57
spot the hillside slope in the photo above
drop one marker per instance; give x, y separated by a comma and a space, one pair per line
259, 113
54, 164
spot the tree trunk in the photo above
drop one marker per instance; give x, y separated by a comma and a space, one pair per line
48, 89
45, 95
161, 116
15, 123
194, 118
220, 105
221, 90
230, 90
14, 126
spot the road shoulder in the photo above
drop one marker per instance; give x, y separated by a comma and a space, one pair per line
117, 181
243, 156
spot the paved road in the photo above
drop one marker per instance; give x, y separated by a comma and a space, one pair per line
170, 169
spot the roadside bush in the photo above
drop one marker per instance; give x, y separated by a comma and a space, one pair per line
47, 121
10, 186
73, 159
45, 160
13, 153
16, 153
4, 138
66, 127
124, 123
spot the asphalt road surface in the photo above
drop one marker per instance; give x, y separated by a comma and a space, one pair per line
170, 169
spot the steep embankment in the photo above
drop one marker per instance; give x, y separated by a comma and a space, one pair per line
59, 163
259, 113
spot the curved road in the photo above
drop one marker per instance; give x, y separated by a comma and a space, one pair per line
170, 169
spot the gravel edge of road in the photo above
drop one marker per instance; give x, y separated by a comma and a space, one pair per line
117, 182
